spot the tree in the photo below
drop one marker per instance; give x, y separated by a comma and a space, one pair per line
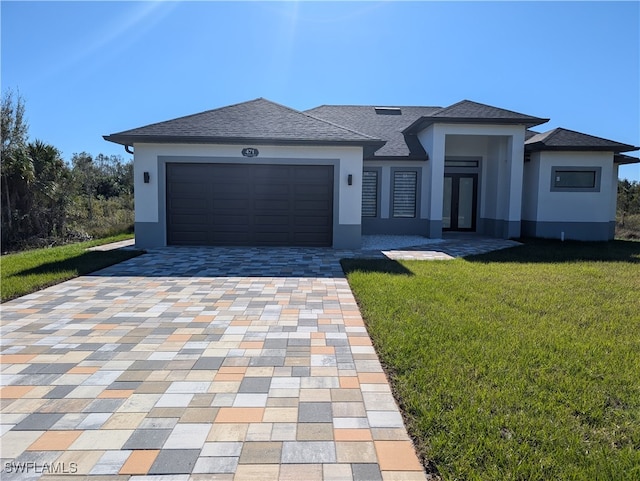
16, 163
35, 180
628, 199
50, 187
84, 174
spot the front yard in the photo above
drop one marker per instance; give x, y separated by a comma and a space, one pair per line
29, 271
520, 364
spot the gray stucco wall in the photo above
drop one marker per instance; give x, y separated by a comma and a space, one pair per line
581, 231
150, 234
500, 228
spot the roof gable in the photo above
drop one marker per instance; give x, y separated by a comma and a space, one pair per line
467, 111
258, 120
565, 139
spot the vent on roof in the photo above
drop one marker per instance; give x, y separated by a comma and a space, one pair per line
388, 111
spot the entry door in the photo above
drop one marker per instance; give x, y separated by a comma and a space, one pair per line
460, 202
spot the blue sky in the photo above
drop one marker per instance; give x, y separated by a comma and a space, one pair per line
86, 69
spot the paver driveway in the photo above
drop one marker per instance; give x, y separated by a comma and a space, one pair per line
230, 364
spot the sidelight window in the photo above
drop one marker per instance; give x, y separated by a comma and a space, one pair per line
370, 193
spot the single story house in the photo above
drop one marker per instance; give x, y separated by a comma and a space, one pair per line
260, 173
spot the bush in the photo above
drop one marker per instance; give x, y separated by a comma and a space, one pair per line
105, 217
628, 226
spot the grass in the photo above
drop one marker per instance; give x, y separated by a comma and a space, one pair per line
522, 364
29, 271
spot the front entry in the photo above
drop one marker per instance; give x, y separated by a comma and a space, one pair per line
460, 202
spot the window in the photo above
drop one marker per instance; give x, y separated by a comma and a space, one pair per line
575, 179
462, 163
370, 193
405, 184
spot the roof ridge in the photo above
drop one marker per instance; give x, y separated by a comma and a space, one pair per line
558, 130
377, 105
182, 117
542, 136
301, 112
450, 106
340, 126
553, 132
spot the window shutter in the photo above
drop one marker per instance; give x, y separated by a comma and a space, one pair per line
404, 194
369, 193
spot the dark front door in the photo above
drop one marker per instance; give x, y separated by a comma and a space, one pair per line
460, 202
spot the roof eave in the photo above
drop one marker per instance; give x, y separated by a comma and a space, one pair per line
424, 122
539, 147
622, 159
151, 139
422, 158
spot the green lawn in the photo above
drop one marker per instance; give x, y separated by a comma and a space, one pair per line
523, 364
29, 271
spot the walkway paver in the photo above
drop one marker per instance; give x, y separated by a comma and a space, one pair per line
199, 363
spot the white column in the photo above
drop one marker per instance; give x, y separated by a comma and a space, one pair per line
515, 149
433, 141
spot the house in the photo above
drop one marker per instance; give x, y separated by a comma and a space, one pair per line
260, 173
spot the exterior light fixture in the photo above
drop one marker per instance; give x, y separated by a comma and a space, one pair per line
350, 179
146, 177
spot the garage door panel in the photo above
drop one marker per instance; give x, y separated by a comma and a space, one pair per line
224, 205
272, 188
188, 188
274, 238
264, 173
190, 238
229, 239
313, 205
229, 188
310, 189
314, 172
266, 205
189, 219
305, 229
230, 204
270, 220
225, 219
187, 205
307, 220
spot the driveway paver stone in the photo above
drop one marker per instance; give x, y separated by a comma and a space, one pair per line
187, 362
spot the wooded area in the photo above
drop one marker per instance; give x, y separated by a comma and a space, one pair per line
47, 201
628, 213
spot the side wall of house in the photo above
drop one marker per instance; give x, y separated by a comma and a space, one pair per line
150, 205
584, 213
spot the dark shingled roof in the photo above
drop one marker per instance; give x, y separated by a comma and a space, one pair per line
529, 133
564, 139
474, 112
386, 123
384, 132
623, 159
258, 120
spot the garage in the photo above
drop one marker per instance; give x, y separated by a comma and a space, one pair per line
249, 204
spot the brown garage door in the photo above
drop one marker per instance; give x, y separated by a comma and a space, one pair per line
249, 205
